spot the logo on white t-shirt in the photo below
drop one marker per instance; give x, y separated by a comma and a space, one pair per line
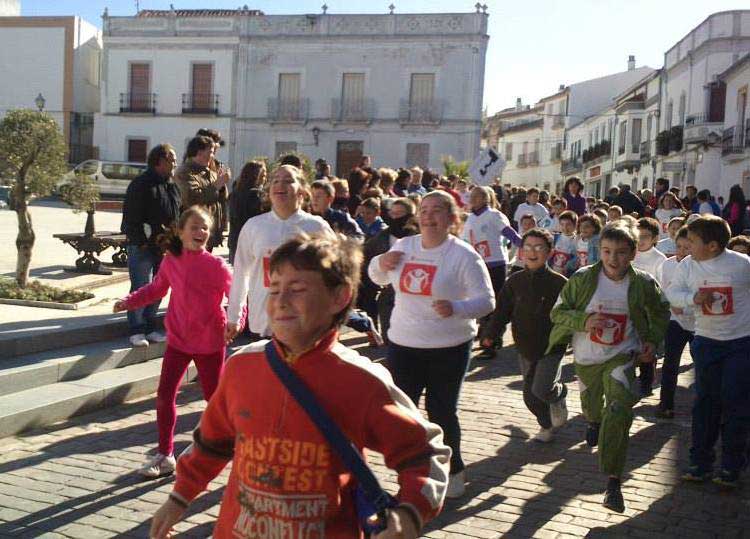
613, 332
483, 248
417, 279
583, 258
722, 301
560, 260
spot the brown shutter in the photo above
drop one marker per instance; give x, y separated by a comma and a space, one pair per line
137, 150
140, 87
203, 86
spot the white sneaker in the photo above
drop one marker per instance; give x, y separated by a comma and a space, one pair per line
139, 339
155, 336
558, 413
544, 436
158, 465
456, 485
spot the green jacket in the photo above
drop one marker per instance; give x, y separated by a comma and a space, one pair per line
647, 305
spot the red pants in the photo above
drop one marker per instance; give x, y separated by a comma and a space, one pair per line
173, 368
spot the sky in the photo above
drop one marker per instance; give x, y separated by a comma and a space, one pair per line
534, 46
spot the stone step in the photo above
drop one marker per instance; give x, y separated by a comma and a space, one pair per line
71, 363
48, 404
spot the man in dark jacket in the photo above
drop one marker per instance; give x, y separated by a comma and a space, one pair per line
629, 202
152, 206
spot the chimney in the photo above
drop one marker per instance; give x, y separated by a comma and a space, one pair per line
631, 62
561, 88
519, 105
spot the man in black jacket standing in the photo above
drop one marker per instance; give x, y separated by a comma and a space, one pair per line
629, 201
152, 206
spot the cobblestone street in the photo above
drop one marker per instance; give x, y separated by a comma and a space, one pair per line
76, 480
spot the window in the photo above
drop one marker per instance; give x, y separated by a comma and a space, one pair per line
283, 148
649, 122
353, 96
636, 135
421, 96
289, 96
137, 150
622, 137
509, 151
682, 109
668, 119
88, 167
203, 87
118, 171
140, 87
417, 154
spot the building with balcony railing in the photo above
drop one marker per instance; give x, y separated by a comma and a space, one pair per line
138, 103
327, 85
735, 160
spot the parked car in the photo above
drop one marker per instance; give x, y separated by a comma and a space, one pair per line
113, 177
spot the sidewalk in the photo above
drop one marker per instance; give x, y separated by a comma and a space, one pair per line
76, 480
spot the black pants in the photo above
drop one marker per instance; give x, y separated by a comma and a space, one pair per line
440, 373
674, 344
497, 277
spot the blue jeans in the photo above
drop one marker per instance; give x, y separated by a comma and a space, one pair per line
722, 402
142, 267
674, 344
359, 322
440, 373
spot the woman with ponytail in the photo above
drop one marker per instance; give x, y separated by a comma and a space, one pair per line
195, 322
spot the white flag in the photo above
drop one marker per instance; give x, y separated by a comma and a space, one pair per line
486, 167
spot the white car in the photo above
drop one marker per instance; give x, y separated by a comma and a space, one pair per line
113, 177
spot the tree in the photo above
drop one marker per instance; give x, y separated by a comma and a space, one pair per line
32, 159
457, 168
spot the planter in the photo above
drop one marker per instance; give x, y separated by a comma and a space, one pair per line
51, 304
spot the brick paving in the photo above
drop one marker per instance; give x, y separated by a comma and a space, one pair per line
75, 480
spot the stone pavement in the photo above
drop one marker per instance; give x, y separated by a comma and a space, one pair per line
75, 480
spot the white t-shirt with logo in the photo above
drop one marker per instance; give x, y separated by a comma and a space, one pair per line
618, 336
485, 233
452, 271
259, 238
582, 252
563, 251
667, 247
649, 261
665, 278
727, 278
664, 216
537, 210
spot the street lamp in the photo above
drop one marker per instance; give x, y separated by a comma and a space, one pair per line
40, 102
316, 134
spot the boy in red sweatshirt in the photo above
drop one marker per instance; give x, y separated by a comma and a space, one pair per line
286, 481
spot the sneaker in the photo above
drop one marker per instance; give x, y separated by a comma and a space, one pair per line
155, 336
592, 434
695, 474
456, 485
727, 479
486, 353
558, 412
139, 339
158, 465
375, 338
544, 436
664, 413
613, 496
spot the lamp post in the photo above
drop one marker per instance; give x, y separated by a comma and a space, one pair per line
40, 101
316, 134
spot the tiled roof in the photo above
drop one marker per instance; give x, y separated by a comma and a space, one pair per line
199, 12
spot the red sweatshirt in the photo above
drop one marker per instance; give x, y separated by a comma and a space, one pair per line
286, 481
195, 317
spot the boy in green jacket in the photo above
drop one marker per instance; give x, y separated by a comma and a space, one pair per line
614, 315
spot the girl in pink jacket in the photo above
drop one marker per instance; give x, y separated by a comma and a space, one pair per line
195, 323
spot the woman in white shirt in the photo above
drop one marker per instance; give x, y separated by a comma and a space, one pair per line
442, 285
669, 207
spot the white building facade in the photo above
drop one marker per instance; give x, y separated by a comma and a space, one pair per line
405, 89
57, 58
735, 151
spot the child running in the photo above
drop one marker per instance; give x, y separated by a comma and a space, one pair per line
563, 257
717, 282
615, 315
286, 480
526, 301
669, 207
667, 246
527, 223
195, 323
679, 333
587, 245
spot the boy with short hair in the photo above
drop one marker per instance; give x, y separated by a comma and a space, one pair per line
615, 316
526, 223
667, 246
285, 475
680, 331
563, 256
717, 283
740, 244
369, 219
557, 208
531, 206
614, 213
525, 301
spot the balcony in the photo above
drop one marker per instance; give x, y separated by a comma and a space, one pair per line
522, 161
675, 138
558, 122
733, 142
352, 110
288, 110
200, 104
662, 143
533, 158
600, 149
138, 103
699, 127
571, 165
645, 151
635, 103
420, 112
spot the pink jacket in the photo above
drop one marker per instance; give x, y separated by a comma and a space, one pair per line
195, 317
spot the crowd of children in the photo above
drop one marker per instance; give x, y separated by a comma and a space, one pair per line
620, 290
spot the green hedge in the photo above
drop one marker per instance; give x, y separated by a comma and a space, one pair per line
36, 291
